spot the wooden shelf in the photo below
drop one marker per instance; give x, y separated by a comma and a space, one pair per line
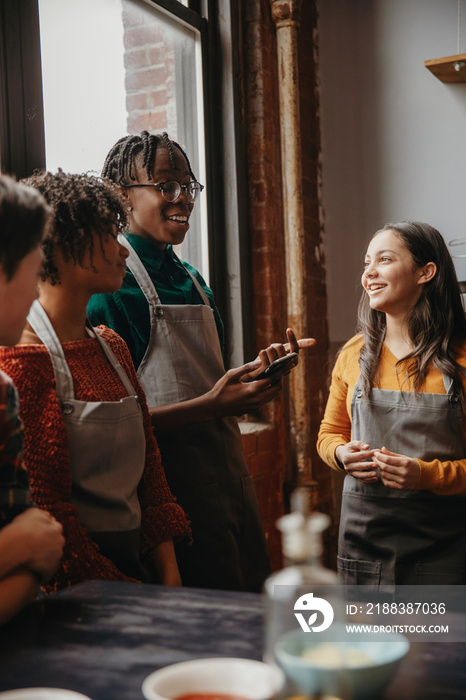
450, 69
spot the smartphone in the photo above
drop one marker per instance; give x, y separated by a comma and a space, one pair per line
279, 366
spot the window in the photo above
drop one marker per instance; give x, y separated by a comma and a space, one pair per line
21, 117
111, 67
90, 98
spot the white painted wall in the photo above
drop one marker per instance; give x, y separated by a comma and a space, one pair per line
393, 135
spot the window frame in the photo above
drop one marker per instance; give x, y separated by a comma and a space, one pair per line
22, 140
22, 145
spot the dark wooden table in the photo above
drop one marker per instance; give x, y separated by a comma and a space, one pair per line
102, 639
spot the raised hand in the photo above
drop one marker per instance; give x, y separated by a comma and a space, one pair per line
276, 350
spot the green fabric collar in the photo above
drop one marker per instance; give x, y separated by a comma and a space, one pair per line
151, 253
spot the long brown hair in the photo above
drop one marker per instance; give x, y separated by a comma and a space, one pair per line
437, 322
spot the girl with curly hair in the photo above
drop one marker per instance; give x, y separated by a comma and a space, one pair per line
92, 459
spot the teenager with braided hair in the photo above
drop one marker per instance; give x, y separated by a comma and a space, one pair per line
119, 163
90, 451
168, 317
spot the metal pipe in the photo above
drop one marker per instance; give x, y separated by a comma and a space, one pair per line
286, 15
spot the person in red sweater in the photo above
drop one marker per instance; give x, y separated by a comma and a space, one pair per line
92, 459
395, 420
31, 540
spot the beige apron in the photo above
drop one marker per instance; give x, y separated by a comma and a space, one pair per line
204, 463
107, 446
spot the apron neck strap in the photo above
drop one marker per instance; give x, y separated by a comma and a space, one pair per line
447, 383
42, 326
44, 329
125, 380
143, 279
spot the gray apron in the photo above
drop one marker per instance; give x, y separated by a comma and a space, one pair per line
107, 446
390, 536
203, 462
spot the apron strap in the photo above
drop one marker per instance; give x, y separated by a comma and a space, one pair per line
43, 328
202, 293
143, 279
125, 380
448, 384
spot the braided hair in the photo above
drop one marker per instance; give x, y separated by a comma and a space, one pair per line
81, 206
121, 159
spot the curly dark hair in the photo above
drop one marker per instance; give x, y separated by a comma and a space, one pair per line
132, 149
81, 205
23, 220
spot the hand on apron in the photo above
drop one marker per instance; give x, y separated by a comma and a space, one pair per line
357, 460
397, 471
398, 535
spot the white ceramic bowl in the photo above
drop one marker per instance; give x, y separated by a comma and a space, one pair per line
360, 678
254, 680
42, 694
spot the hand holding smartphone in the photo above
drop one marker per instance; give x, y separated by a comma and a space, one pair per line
283, 364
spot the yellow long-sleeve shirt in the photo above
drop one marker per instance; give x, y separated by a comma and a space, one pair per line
443, 478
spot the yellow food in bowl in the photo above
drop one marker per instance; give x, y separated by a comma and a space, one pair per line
327, 655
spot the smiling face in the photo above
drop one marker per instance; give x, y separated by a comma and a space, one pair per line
390, 278
152, 217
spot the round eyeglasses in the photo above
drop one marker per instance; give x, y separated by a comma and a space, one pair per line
171, 189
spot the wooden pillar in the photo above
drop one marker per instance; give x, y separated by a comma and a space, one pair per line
286, 16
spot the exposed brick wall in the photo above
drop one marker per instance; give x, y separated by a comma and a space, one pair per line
149, 73
150, 83
266, 459
262, 136
316, 280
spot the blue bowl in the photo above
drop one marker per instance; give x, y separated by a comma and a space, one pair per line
359, 668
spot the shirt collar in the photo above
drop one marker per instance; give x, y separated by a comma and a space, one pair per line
149, 252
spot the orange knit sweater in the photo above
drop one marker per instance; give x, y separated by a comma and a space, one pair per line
47, 459
443, 478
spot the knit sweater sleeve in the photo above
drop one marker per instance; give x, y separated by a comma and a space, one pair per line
446, 478
335, 428
46, 458
443, 478
162, 518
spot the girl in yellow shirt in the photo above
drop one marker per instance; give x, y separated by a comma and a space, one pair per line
395, 419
